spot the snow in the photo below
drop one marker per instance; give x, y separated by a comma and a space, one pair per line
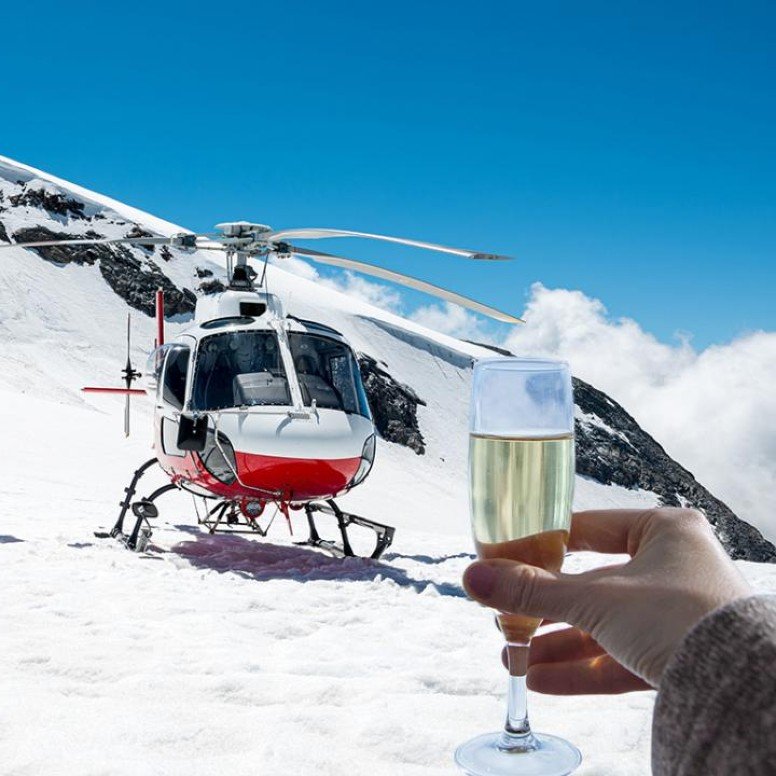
229, 654
591, 420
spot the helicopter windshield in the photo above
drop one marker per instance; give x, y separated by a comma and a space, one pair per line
328, 374
238, 369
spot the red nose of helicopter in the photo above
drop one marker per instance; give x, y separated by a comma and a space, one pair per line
297, 479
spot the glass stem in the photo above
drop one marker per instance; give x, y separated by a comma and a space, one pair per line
517, 730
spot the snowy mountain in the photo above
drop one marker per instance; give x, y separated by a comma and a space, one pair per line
230, 655
76, 298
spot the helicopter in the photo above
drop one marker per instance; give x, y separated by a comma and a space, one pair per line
254, 407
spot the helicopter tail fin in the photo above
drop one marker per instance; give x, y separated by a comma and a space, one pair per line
159, 317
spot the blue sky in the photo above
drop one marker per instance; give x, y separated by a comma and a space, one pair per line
627, 150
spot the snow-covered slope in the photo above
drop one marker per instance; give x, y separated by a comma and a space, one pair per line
227, 654
62, 319
63, 326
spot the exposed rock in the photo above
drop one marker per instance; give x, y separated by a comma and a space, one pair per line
62, 254
46, 197
137, 282
3, 234
613, 449
165, 253
136, 231
134, 281
214, 286
394, 405
203, 273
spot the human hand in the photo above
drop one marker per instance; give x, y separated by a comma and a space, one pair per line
626, 621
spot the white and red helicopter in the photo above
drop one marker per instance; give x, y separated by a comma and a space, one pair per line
254, 407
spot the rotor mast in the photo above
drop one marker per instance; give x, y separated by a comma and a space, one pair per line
242, 241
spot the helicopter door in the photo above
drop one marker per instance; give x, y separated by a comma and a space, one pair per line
328, 374
172, 395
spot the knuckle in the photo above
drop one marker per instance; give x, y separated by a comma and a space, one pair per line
521, 588
678, 518
694, 517
692, 520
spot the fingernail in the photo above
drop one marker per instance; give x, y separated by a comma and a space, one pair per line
480, 579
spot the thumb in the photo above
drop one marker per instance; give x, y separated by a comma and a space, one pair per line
517, 588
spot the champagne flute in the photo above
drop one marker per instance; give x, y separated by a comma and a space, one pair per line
521, 484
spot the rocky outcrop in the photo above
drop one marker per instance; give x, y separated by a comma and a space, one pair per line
214, 286
3, 234
394, 405
62, 254
613, 449
136, 231
137, 282
209, 284
48, 198
133, 280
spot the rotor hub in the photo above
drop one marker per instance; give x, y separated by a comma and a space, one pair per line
242, 229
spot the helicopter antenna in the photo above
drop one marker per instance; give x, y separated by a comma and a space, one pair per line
264, 270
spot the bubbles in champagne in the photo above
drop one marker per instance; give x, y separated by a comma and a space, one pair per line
521, 492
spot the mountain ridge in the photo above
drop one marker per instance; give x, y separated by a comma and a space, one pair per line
612, 449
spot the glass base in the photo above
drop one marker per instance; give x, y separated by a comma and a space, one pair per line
495, 754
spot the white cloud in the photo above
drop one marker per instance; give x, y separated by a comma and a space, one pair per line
714, 411
348, 283
373, 293
453, 320
297, 267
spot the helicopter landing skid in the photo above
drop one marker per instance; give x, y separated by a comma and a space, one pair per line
143, 510
344, 520
227, 518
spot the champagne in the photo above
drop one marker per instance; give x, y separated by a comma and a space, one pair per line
521, 491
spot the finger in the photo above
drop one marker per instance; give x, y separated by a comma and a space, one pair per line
508, 586
601, 675
562, 646
607, 530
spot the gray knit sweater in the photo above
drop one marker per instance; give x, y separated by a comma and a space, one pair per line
716, 708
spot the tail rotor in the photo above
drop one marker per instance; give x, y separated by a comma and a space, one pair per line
129, 376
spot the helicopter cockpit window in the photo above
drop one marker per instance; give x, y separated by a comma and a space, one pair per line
176, 368
328, 374
239, 369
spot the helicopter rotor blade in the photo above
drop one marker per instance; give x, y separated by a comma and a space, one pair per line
85, 241
409, 281
316, 234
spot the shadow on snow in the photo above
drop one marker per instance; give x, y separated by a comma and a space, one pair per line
262, 561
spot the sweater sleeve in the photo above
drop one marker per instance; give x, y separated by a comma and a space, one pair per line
716, 708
